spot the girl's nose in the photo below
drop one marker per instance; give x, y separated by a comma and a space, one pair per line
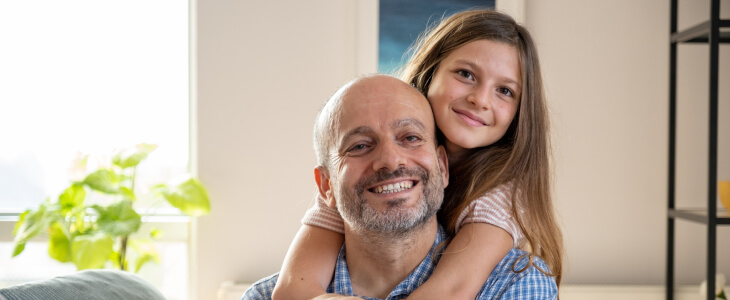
480, 99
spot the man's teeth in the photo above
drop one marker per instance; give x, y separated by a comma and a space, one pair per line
394, 188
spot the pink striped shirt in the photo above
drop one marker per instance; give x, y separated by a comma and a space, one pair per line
494, 207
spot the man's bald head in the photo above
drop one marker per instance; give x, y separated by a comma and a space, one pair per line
376, 87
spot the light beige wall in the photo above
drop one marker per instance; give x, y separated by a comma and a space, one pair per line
606, 71
263, 70
264, 67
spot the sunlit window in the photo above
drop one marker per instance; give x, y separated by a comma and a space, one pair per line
87, 77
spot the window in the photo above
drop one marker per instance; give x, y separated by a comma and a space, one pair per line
401, 22
88, 77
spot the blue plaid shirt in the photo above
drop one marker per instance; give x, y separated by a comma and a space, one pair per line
503, 283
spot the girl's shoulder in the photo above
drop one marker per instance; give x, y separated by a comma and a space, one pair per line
496, 202
495, 208
501, 191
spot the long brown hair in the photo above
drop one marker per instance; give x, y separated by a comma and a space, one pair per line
521, 157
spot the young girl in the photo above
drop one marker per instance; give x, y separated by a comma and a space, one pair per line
480, 72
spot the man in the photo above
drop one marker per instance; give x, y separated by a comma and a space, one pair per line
381, 167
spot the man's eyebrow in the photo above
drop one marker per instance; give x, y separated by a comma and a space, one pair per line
401, 123
365, 130
361, 130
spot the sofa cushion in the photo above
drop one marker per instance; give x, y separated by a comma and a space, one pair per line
88, 284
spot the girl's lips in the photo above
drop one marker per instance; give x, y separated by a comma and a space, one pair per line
470, 118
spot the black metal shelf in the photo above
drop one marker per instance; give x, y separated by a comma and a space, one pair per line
710, 33
700, 215
700, 33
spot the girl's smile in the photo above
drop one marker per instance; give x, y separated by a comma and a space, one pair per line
470, 118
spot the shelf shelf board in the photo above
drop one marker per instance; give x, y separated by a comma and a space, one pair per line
700, 33
699, 215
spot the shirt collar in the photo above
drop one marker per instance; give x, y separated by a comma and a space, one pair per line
342, 285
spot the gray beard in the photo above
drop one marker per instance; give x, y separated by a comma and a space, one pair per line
396, 221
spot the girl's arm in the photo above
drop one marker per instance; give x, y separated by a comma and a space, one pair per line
309, 264
467, 263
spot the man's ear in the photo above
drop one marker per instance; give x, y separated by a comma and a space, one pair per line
322, 176
443, 161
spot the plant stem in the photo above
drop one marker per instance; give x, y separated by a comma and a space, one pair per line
123, 254
134, 178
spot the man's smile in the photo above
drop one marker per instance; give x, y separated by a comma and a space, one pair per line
393, 187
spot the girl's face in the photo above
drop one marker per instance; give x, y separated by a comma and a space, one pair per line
475, 93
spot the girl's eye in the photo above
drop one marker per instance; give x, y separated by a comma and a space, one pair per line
506, 92
465, 74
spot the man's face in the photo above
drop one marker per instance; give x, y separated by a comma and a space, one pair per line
387, 174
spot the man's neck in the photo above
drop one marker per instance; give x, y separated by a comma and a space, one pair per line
378, 263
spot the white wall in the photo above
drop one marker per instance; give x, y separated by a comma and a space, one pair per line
606, 71
264, 67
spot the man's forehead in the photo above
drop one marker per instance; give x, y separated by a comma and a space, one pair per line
387, 113
376, 102
385, 94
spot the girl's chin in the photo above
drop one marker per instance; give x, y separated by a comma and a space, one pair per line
456, 148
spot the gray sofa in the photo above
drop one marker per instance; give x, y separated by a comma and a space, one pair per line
83, 285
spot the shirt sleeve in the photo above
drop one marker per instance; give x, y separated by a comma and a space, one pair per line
508, 283
262, 289
495, 208
535, 285
323, 216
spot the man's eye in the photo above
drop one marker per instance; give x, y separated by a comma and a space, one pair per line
413, 138
356, 148
465, 74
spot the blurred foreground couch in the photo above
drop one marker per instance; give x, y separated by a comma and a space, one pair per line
85, 285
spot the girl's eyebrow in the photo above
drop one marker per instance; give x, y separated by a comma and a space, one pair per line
474, 66
467, 62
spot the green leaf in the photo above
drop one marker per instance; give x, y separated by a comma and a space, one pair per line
59, 247
19, 247
146, 252
21, 221
30, 224
80, 224
104, 180
91, 251
114, 258
155, 233
132, 157
128, 193
118, 219
72, 197
189, 196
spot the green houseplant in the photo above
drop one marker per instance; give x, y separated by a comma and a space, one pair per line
92, 235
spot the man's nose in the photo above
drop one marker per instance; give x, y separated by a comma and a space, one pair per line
389, 156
